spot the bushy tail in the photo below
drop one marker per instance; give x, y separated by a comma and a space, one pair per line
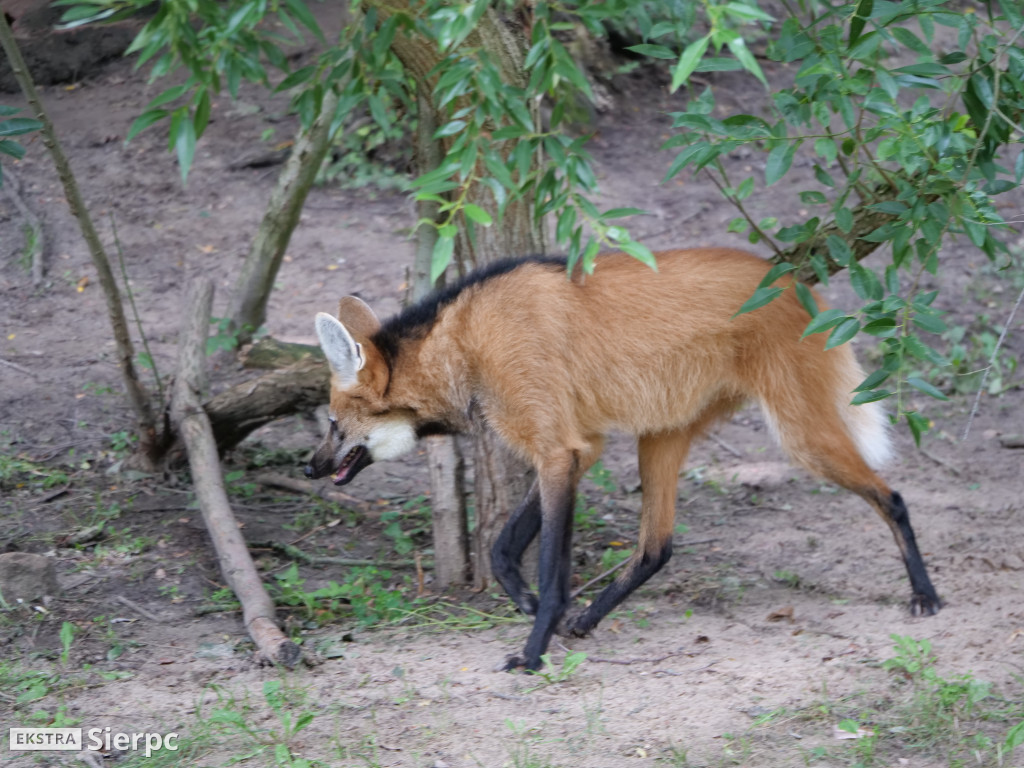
806, 400
868, 424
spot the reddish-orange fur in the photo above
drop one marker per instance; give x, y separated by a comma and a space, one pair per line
553, 364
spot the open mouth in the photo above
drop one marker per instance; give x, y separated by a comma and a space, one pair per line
355, 460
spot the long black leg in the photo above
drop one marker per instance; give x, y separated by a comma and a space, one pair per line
636, 573
924, 600
556, 497
660, 456
507, 552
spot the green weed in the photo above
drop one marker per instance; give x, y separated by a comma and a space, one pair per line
602, 478
403, 526
290, 716
67, 636
559, 674
369, 594
521, 750
17, 472
234, 486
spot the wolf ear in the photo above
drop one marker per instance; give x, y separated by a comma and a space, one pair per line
356, 315
343, 354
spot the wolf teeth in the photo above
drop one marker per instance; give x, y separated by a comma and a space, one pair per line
349, 457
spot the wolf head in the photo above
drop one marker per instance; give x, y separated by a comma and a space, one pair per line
364, 426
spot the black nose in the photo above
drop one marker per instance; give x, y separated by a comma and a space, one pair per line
308, 471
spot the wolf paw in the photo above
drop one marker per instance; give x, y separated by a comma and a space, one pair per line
527, 603
924, 605
514, 663
575, 627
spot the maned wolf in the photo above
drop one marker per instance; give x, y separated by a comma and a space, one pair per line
554, 363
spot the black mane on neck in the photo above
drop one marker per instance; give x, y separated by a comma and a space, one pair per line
417, 319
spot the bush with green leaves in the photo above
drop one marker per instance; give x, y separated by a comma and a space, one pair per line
911, 116
910, 113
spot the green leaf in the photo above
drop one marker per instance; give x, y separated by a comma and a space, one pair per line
910, 40
850, 726
883, 327
918, 425
843, 332
870, 396
185, 146
873, 380
694, 153
929, 323
449, 129
927, 388
862, 13
894, 207
589, 254
688, 62
806, 297
17, 126
296, 78
739, 49
566, 224
762, 296
654, 51
302, 13
202, 114
12, 149
618, 213
838, 250
641, 253
865, 282
477, 214
844, 220
1014, 738
922, 351
171, 94
779, 161
812, 197
777, 271
441, 257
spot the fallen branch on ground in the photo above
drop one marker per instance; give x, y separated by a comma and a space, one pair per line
320, 490
192, 424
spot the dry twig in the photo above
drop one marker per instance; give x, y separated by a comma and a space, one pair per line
193, 425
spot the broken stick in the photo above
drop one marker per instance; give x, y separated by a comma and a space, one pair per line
194, 427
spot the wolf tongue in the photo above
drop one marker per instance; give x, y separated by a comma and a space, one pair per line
353, 462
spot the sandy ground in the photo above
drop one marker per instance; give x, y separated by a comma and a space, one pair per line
766, 630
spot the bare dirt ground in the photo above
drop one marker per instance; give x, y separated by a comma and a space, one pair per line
767, 629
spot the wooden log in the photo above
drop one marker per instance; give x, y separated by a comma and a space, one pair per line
245, 407
192, 424
269, 353
321, 490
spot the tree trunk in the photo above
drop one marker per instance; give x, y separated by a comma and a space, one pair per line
137, 396
444, 454
256, 278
